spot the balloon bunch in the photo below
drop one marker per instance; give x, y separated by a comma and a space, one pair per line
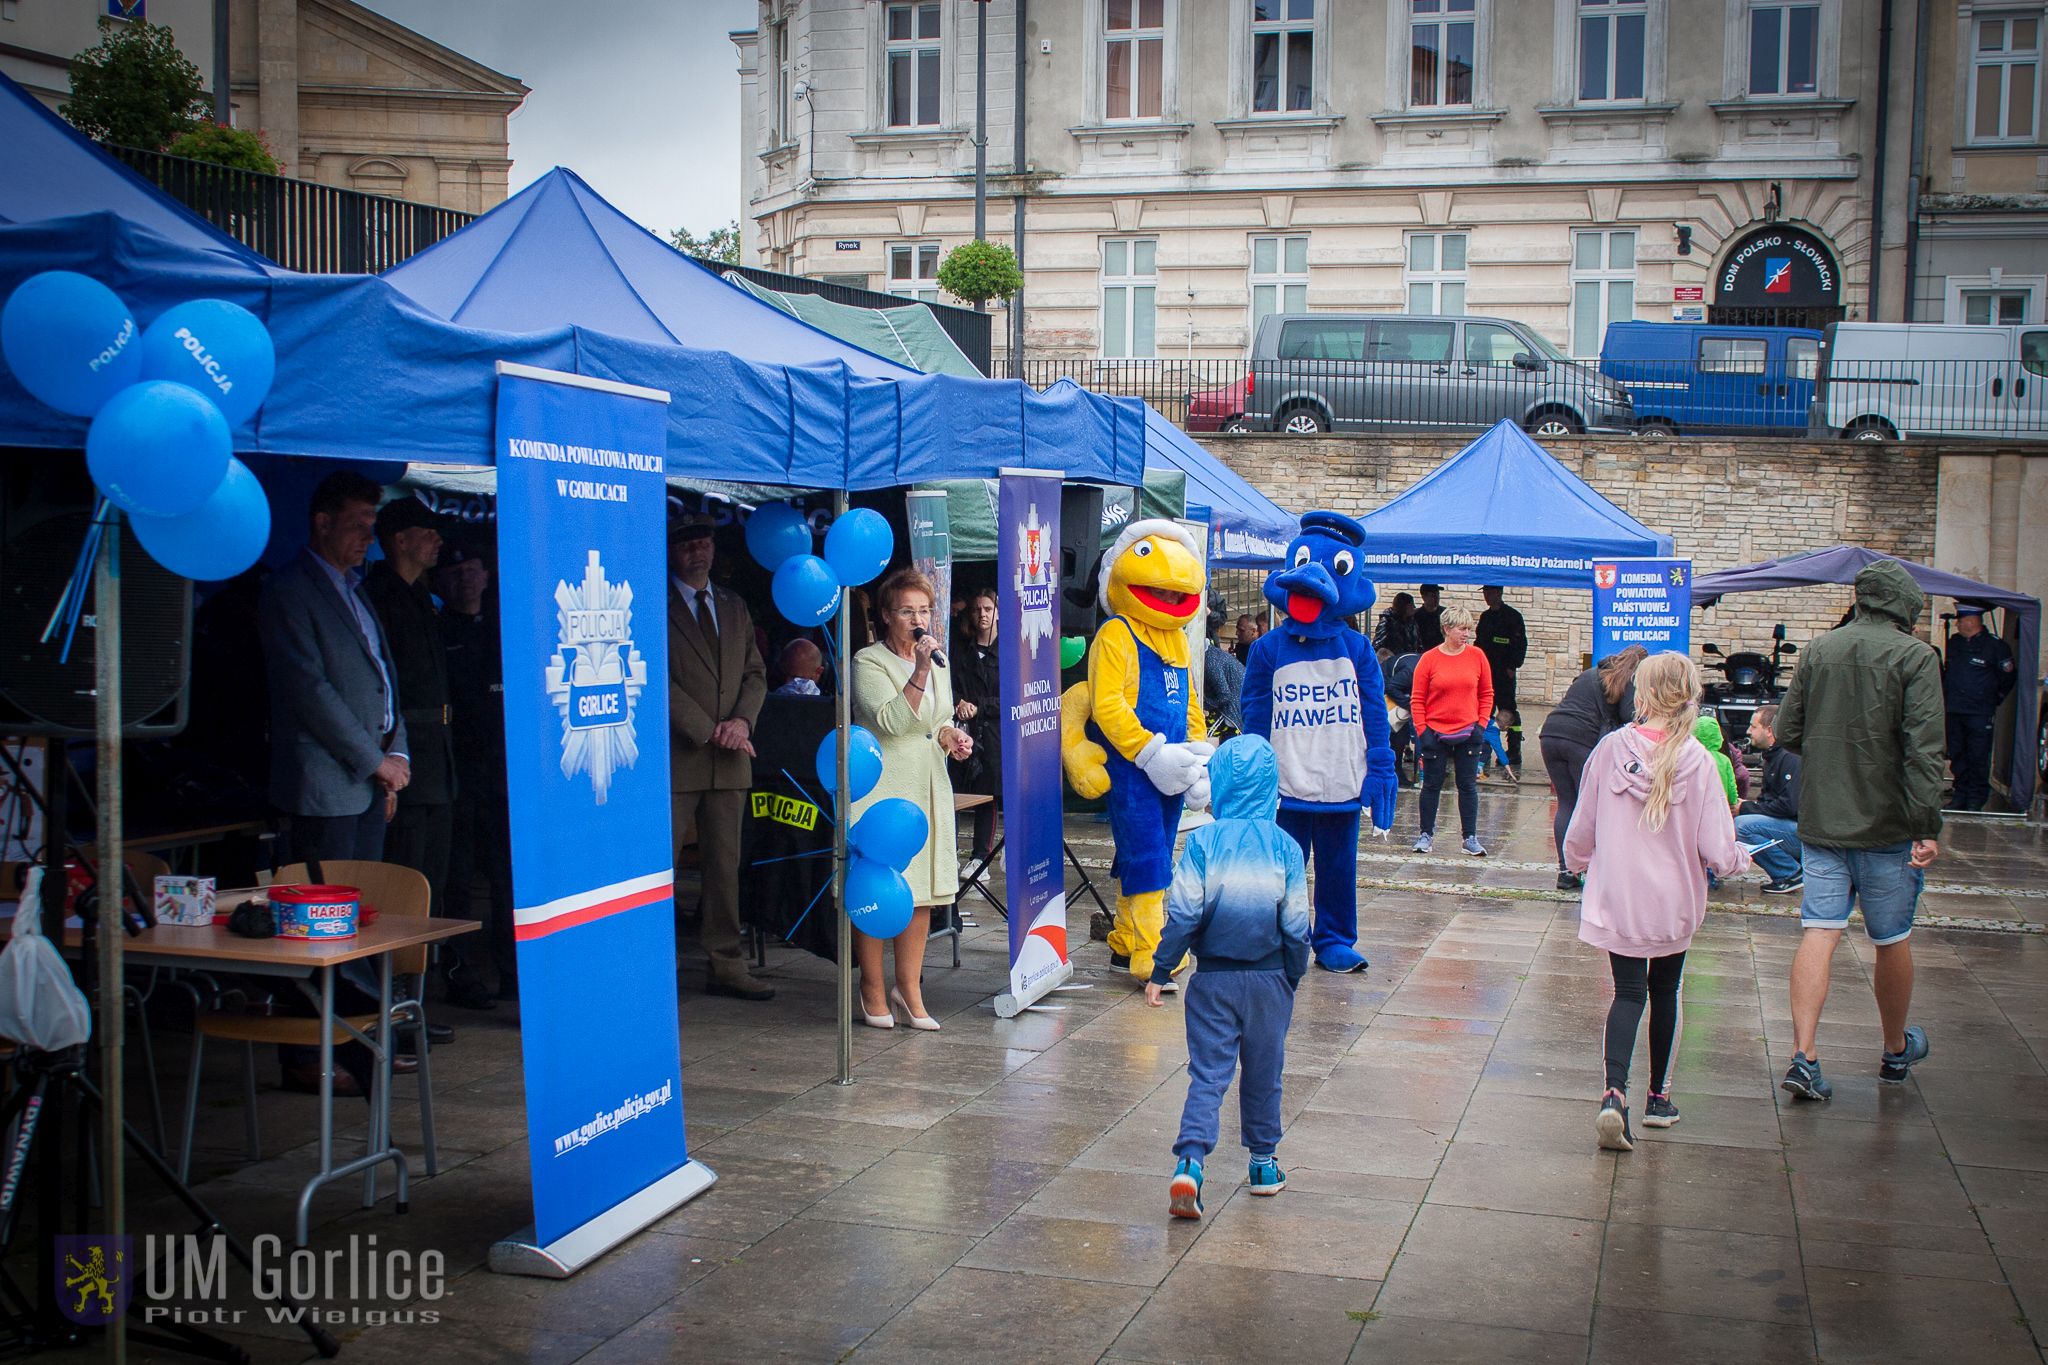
807, 590
163, 402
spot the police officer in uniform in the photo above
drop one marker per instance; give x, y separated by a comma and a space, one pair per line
476, 695
423, 825
1503, 637
1977, 677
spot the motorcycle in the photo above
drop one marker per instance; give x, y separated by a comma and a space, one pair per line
1749, 680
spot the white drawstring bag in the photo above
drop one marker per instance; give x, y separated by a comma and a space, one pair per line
41, 1008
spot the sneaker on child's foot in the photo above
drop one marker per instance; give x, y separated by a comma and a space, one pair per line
1185, 1194
1893, 1067
1784, 886
1266, 1176
1659, 1111
1570, 881
1804, 1081
1473, 846
1422, 844
1612, 1123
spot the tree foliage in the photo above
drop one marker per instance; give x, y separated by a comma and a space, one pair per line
978, 271
224, 146
721, 244
134, 87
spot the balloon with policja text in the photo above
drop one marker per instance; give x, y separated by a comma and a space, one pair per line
158, 449
215, 348
878, 900
222, 537
806, 590
70, 341
863, 761
775, 532
892, 831
859, 545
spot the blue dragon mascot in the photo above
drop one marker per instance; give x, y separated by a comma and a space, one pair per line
1312, 687
1134, 730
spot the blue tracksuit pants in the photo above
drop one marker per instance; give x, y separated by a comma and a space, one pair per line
1329, 844
1235, 1018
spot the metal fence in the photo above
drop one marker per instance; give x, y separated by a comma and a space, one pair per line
303, 226
1747, 387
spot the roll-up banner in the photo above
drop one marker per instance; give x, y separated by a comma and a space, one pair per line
581, 577
1028, 654
931, 549
1645, 602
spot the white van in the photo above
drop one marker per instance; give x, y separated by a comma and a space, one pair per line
1881, 381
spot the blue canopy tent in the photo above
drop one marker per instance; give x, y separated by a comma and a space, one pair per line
1503, 510
557, 252
1247, 529
1841, 564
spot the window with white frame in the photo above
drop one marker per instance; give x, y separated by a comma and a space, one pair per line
1134, 58
1603, 285
914, 270
1130, 288
1436, 272
2005, 77
1443, 53
1279, 277
911, 57
1284, 56
1784, 49
1612, 36
783, 61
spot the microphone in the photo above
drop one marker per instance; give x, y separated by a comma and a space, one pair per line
918, 633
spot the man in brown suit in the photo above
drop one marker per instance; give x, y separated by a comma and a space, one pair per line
716, 681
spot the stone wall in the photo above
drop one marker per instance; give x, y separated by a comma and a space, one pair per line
1725, 503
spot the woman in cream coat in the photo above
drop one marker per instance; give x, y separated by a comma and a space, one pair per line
905, 698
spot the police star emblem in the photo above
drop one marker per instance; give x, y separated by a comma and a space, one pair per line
1033, 582
596, 676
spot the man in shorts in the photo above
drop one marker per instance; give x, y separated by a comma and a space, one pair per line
1865, 715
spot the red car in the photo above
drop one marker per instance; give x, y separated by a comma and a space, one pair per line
1219, 409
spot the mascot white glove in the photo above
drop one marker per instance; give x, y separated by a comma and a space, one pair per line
1174, 768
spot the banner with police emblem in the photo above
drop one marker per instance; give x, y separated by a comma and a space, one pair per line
1028, 653
582, 585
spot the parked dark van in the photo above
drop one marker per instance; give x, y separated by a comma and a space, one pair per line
1312, 372
1694, 378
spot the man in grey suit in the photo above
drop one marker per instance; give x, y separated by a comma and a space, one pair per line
337, 738
716, 682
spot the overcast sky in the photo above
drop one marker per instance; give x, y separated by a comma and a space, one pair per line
639, 97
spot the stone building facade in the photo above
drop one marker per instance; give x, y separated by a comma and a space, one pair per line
1191, 164
340, 94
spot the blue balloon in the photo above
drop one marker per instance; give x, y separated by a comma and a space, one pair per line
214, 347
892, 831
878, 900
863, 760
225, 535
806, 590
859, 545
70, 341
776, 531
158, 449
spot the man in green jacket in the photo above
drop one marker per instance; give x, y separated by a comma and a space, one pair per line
1864, 713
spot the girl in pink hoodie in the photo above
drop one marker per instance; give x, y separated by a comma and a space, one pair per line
1650, 817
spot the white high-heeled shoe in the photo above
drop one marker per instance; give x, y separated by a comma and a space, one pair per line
917, 1021
886, 1019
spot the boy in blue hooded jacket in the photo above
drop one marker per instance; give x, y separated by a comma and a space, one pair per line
1239, 902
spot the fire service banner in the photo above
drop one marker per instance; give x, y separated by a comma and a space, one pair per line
582, 581
1645, 602
1028, 650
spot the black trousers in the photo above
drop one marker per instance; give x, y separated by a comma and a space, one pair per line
1463, 759
1564, 761
330, 838
1969, 758
481, 845
1510, 715
1637, 981
419, 838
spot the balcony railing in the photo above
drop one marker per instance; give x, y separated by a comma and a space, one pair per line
1861, 399
301, 225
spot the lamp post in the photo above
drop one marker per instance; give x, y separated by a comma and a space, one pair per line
980, 123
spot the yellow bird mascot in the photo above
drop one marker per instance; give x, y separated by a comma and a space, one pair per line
1133, 729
